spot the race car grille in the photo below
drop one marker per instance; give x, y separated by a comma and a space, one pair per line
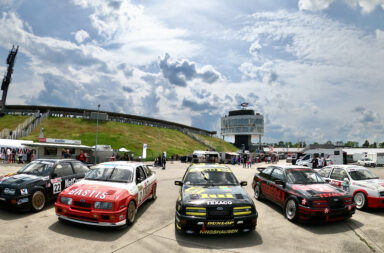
336, 203
214, 213
82, 204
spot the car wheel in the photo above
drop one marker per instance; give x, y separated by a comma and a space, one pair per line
257, 193
38, 201
131, 212
291, 210
360, 200
154, 196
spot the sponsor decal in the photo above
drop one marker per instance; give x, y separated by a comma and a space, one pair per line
217, 196
224, 188
210, 169
220, 223
45, 178
56, 180
24, 191
195, 190
69, 182
47, 184
23, 200
219, 202
219, 232
88, 193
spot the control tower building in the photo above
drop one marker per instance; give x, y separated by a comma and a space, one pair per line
243, 125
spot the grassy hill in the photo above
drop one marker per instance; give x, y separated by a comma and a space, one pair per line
120, 135
11, 121
219, 144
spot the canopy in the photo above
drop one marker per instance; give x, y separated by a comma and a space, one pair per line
123, 150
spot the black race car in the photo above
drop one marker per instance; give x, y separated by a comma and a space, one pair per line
212, 201
38, 182
303, 194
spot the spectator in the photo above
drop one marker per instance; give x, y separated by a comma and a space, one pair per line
67, 154
81, 157
314, 162
163, 162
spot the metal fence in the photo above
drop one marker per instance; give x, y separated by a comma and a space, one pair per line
25, 128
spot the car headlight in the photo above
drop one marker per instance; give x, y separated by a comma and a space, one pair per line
10, 191
102, 205
195, 211
66, 201
242, 210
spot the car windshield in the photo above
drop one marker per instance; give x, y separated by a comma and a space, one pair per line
210, 177
113, 174
362, 174
304, 177
38, 168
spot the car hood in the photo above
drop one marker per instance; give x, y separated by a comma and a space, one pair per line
211, 195
19, 180
370, 184
317, 190
98, 190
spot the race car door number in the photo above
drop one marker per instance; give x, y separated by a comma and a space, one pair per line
56, 188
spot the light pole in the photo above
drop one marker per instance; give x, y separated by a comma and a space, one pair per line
97, 129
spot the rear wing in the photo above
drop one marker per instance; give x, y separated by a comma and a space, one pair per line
260, 169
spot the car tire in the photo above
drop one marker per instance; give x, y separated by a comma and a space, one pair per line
38, 201
257, 192
291, 209
131, 212
360, 200
154, 195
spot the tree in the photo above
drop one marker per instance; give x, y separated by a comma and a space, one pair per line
281, 144
366, 144
373, 145
381, 145
352, 144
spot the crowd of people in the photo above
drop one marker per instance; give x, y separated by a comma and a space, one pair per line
16, 155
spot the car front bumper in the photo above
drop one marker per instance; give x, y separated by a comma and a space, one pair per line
326, 214
375, 202
105, 218
17, 202
200, 225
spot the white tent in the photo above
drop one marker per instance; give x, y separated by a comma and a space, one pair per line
123, 150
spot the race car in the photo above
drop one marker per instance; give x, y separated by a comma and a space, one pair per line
109, 195
367, 162
302, 193
212, 201
38, 182
366, 188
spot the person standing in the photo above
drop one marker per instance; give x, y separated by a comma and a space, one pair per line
81, 157
163, 162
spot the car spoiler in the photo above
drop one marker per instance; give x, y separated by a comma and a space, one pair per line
260, 169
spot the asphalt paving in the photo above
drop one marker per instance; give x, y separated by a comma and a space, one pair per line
153, 230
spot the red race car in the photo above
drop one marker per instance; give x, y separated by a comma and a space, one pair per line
109, 195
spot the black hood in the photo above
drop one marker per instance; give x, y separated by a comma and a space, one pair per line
19, 180
318, 190
207, 195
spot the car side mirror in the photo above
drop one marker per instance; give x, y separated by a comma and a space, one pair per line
179, 183
243, 183
279, 182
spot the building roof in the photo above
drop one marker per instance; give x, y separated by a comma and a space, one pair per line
56, 145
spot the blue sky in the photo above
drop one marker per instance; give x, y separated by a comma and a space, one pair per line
313, 68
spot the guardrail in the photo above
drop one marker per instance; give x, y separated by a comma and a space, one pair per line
25, 128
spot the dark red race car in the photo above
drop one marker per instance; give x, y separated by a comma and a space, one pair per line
302, 193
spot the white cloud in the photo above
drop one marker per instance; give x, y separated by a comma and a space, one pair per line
367, 6
81, 35
314, 5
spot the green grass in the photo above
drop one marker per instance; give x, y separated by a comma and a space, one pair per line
11, 121
219, 144
119, 135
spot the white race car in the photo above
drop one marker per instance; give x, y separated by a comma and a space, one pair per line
367, 162
366, 188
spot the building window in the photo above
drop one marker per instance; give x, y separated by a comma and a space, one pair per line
50, 151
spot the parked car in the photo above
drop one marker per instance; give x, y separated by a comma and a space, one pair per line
366, 188
367, 162
302, 193
212, 201
109, 195
38, 182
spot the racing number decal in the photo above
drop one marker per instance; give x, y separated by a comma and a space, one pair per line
336, 183
56, 188
140, 193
